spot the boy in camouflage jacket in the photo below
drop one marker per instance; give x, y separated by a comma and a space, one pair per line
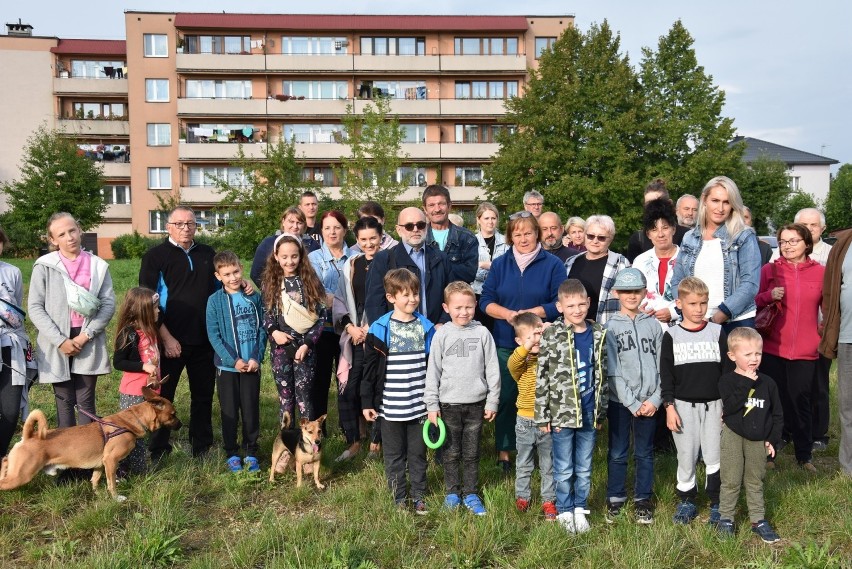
570, 398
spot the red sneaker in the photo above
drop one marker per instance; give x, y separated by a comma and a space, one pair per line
549, 509
522, 505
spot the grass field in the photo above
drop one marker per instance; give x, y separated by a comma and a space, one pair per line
195, 514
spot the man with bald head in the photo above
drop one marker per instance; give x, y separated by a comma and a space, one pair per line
551, 236
428, 263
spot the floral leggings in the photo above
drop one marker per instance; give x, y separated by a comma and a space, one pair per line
294, 381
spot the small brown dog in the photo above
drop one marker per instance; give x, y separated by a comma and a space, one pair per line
99, 446
303, 445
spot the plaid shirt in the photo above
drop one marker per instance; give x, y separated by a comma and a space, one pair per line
608, 302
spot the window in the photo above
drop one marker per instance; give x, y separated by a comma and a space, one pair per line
316, 89
324, 176
156, 45
105, 152
413, 133
94, 69
206, 176
313, 133
486, 46
218, 44
486, 89
99, 110
116, 195
219, 132
157, 221
214, 219
469, 176
411, 176
393, 89
794, 183
299, 45
159, 178
159, 134
218, 89
393, 46
157, 90
542, 44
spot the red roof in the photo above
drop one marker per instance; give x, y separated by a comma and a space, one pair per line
349, 22
90, 47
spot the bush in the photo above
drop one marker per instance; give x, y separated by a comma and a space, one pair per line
133, 245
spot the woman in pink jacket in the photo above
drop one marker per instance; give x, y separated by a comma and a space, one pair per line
790, 349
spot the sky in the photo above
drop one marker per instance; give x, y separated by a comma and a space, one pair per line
785, 66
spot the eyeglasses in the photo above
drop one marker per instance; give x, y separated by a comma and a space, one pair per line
420, 226
600, 238
520, 215
183, 225
790, 242
535, 204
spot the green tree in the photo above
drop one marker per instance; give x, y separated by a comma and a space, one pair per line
54, 177
579, 136
375, 140
786, 211
687, 136
764, 186
838, 204
255, 203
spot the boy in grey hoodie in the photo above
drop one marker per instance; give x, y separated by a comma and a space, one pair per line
633, 352
462, 387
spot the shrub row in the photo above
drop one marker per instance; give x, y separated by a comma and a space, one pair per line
134, 245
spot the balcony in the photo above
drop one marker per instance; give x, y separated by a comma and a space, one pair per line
199, 195
94, 127
458, 194
422, 151
308, 107
472, 151
406, 107
484, 63
406, 63
115, 212
89, 86
222, 107
313, 63
116, 169
218, 151
230, 63
473, 107
321, 151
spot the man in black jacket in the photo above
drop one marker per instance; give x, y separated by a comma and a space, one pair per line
428, 263
458, 244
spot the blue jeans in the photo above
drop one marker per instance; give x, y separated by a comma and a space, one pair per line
529, 440
621, 423
729, 325
572, 464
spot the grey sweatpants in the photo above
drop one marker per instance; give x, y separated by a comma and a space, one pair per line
701, 431
743, 464
844, 396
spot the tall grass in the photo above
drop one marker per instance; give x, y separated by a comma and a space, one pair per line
193, 513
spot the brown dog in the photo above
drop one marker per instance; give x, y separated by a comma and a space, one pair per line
304, 445
85, 446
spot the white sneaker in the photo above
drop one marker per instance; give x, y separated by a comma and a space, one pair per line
566, 520
581, 524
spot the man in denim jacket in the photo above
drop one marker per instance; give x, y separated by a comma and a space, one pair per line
458, 243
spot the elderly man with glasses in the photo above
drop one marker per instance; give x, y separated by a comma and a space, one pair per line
533, 203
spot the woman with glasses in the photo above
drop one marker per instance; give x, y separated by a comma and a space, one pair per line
525, 279
597, 267
492, 244
327, 263
794, 282
723, 252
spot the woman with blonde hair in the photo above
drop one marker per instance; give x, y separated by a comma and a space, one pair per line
492, 244
575, 233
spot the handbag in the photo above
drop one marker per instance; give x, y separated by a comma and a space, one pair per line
765, 318
295, 315
79, 299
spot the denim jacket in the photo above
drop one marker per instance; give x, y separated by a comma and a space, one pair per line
328, 270
500, 247
742, 267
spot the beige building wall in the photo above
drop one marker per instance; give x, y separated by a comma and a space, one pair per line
26, 98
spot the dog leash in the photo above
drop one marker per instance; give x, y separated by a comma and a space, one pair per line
119, 430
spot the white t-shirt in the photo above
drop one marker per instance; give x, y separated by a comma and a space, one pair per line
710, 268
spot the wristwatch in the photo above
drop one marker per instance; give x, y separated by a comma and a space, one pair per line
667, 404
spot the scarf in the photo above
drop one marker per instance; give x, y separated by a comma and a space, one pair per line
524, 259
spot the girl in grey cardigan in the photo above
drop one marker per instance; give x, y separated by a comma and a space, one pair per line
70, 357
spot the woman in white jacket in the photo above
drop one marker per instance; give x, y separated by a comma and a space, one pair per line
71, 301
492, 244
657, 264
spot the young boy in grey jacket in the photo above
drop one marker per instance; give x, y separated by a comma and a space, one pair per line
463, 388
633, 351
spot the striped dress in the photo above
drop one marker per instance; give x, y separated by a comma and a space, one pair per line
405, 380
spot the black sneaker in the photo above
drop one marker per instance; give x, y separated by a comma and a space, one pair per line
613, 511
725, 527
765, 531
644, 512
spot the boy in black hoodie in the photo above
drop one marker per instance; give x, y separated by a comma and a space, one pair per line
752, 417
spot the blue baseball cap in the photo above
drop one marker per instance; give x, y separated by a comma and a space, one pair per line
630, 279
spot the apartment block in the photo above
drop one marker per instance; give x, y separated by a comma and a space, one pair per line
185, 89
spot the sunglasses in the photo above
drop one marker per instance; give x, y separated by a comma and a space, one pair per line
420, 226
600, 238
520, 215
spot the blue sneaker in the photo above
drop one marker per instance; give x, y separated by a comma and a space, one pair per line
251, 464
452, 501
234, 464
686, 512
420, 507
715, 516
765, 531
474, 504
725, 527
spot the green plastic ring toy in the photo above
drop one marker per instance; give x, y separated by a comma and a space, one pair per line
442, 434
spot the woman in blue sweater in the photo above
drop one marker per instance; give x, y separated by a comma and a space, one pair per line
525, 279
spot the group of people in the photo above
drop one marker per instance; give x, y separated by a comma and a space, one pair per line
543, 329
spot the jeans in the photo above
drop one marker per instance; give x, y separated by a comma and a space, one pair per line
404, 449
464, 427
621, 423
572, 464
530, 439
10, 402
729, 325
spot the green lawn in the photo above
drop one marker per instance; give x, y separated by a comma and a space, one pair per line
195, 514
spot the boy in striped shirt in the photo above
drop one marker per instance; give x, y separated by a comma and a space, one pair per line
397, 349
